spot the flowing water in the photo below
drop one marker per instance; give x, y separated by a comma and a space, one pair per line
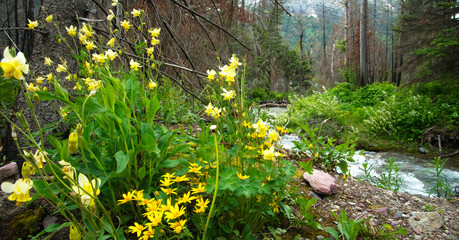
413, 169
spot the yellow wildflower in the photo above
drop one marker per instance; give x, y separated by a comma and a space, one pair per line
154, 41
20, 190
155, 218
14, 66
152, 85
198, 189
32, 88
39, 158
111, 42
39, 80
49, 19
49, 76
110, 16
149, 233
87, 190
71, 31
67, 169
137, 229
89, 45
77, 86
178, 226
61, 67
186, 198
111, 54
32, 24
125, 24
134, 65
242, 177
227, 95
174, 212
136, 13
211, 74
181, 179
169, 191
126, 198
155, 32
150, 50
99, 58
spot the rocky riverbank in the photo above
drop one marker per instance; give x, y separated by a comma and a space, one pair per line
423, 217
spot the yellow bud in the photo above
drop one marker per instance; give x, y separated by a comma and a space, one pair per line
36, 98
73, 142
115, 31
59, 41
27, 170
74, 233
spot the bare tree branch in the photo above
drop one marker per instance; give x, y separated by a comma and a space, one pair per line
211, 22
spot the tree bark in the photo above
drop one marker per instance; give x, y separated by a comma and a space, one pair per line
363, 77
46, 44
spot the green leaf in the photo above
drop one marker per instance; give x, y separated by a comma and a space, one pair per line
56, 143
109, 97
44, 190
132, 88
60, 91
307, 167
173, 163
152, 107
142, 172
122, 160
332, 231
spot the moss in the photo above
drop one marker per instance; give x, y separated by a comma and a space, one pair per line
26, 224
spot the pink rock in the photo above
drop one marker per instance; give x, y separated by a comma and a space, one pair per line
9, 170
321, 182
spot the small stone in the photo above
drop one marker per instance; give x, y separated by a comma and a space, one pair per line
425, 221
361, 205
320, 237
351, 203
321, 182
405, 216
382, 211
358, 209
48, 220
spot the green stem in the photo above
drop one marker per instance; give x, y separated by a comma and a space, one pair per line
215, 191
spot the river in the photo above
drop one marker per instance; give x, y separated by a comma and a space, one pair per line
413, 169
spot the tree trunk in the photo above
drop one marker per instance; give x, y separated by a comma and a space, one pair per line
46, 44
363, 77
323, 30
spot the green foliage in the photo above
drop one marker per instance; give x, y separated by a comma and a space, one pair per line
384, 232
403, 115
389, 179
347, 228
439, 184
263, 94
324, 151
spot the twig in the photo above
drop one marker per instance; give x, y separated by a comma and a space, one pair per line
22, 28
211, 22
285, 10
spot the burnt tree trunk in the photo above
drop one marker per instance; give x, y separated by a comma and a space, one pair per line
45, 43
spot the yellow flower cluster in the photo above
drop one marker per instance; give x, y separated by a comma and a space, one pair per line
269, 137
168, 213
213, 111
